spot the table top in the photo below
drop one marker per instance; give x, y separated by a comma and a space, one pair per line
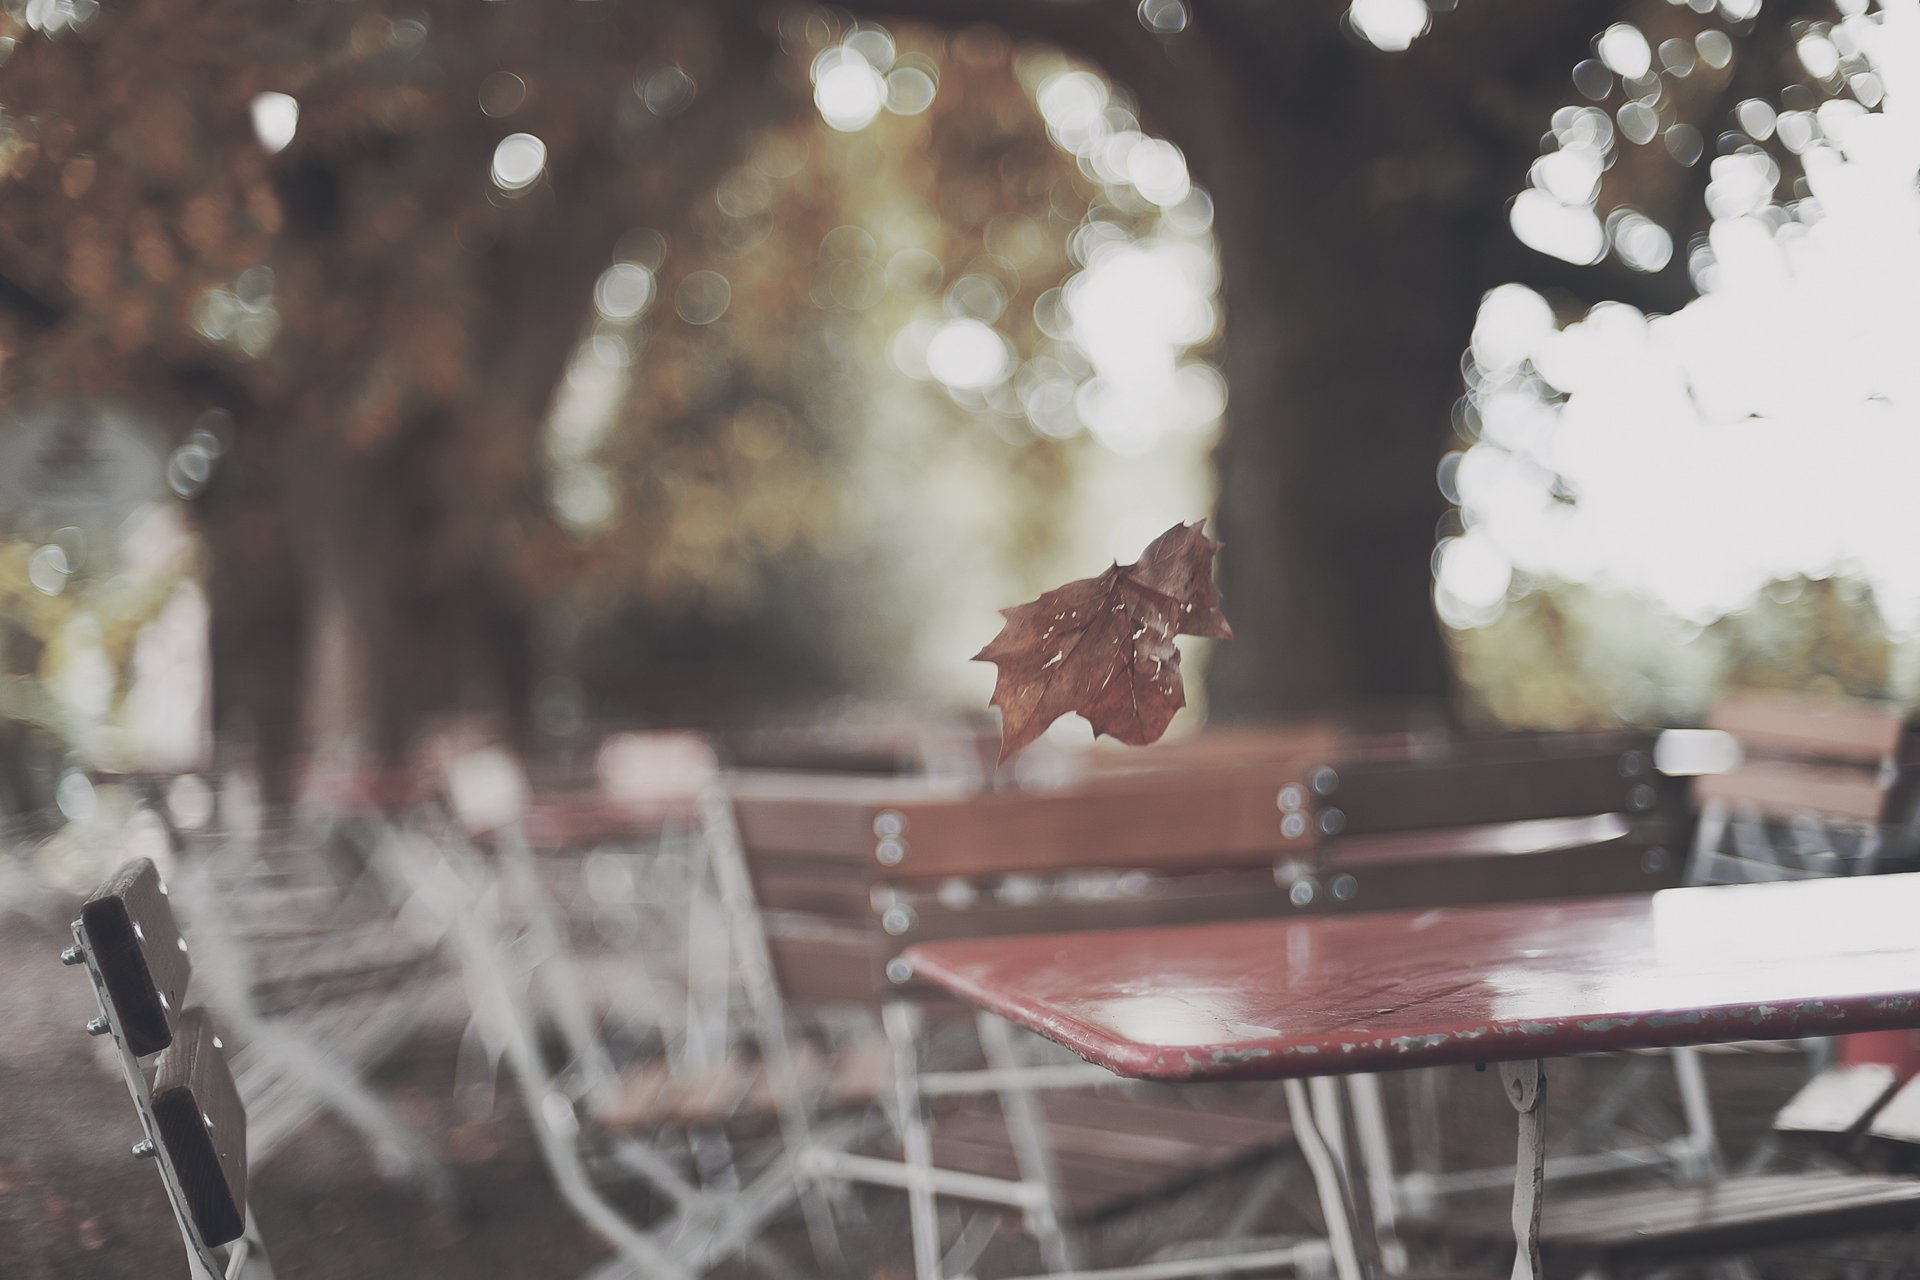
1278, 998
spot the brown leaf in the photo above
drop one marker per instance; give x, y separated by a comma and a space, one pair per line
1103, 647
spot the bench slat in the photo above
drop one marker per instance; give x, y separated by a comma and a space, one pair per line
204, 1128
1665, 1223
141, 956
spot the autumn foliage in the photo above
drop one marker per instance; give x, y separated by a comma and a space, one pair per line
1103, 647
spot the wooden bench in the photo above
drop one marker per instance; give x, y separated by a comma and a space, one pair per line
195, 1124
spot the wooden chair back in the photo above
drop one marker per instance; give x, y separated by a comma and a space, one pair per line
1844, 760
849, 871
1476, 819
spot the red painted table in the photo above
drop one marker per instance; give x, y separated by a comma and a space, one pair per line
1289, 999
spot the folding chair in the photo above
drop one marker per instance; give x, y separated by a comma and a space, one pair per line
307, 966
1823, 786
829, 878
1814, 787
516, 961
190, 1111
1817, 777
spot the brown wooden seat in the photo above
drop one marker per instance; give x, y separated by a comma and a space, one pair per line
737, 1092
1657, 1225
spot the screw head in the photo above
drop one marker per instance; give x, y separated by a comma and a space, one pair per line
143, 1150
1290, 798
1332, 822
891, 852
71, 956
898, 971
1323, 780
98, 1027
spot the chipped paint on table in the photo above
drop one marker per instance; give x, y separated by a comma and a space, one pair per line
1274, 999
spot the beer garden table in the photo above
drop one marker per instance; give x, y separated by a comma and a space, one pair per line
1291, 999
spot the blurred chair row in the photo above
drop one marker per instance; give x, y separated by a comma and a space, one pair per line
710, 998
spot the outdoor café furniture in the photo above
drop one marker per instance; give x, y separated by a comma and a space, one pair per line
1509, 984
302, 960
1812, 787
194, 1127
837, 875
464, 859
1820, 786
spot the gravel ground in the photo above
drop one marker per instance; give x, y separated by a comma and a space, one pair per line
73, 1203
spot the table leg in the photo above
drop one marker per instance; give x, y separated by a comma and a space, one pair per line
1526, 1087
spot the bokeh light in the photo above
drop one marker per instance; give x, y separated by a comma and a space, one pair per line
1760, 432
276, 116
518, 161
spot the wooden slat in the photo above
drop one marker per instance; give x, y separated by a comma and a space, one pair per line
137, 945
1649, 1225
1840, 729
1617, 862
1112, 1150
1403, 795
843, 959
1166, 820
203, 1125
1839, 1101
1781, 788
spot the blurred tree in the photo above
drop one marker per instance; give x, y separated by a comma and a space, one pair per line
1355, 206
389, 303
384, 303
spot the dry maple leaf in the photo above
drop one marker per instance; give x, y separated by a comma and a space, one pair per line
1104, 646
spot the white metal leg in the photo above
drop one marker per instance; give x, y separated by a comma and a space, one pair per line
1326, 1180
1032, 1151
756, 970
901, 1022
1526, 1088
1376, 1156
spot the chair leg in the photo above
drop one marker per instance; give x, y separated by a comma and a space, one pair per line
1376, 1154
1326, 1180
901, 1022
1703, 1143
1032, 1150
755, 959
